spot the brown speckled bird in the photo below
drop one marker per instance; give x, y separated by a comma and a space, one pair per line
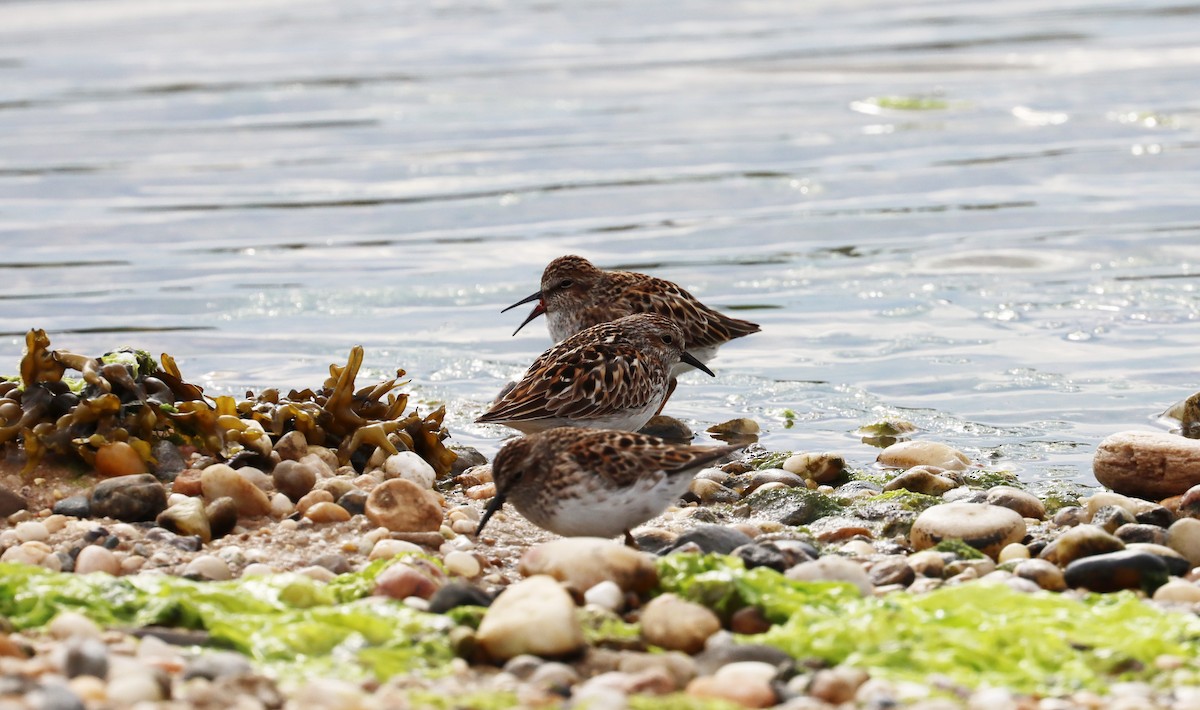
577, 295
599, 483
614, 375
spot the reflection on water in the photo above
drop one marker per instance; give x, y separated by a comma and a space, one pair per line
979, 218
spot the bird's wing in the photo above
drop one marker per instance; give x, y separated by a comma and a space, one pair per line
624, 458
579, 381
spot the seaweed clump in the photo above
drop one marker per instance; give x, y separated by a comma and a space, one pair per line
125, 396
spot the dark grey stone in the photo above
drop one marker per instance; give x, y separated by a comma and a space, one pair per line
1114, 571
86, 656
74, 506
713, 538
217, 664
456, 594
134, 498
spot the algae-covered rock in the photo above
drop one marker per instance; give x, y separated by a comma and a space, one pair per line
791, 506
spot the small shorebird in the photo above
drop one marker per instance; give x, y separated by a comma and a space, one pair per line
613, 375
576, 295
597, 483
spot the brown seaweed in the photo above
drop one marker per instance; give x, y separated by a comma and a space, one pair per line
125, 396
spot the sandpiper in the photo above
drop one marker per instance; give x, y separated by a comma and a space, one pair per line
598, 483
576, 295
613, 375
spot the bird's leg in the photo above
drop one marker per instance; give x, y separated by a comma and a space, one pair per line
670, 390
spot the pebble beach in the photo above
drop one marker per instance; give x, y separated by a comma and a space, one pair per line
520, 617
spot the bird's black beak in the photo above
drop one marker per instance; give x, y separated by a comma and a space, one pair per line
495, 505
691, 360
538, 310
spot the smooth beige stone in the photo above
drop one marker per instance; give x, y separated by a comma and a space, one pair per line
677, 624
584, 562
535, 616
907, 454
987, 528
1148, 464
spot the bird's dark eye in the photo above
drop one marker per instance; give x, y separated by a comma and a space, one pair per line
668, 339
566, 283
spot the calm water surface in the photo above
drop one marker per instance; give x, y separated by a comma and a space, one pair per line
981, 217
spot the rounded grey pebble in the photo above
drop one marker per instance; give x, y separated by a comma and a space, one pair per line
654, 540
217, 664
963, 494
334, 562
1114, 571
1156, 515
294, 479
859, 486
1111, 517
292, 446
456, 594
523, 666
52, 695
1141, 532
86, 656
354, 502
1024, 503
1069, 516
222, 516
713, 538
11, 502
133, 499
773, 475
892, 570
468, 456
74, 506
721, 651
169, 462
762, 555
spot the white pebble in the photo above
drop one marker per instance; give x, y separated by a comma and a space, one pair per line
55, 523
464, 527
388, 548
462, 564
128, 689
258, 569
1178, 590
208, 567
70, 624
281, 506
317, 573
417, 603
743, 671
606, 594
410, 466
95, 558
23, 555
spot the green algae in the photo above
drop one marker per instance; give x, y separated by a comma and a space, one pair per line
769, 460
901, 499
792, 506
289, 622
910, 103
990, 479
481, 700
974, 635
959, 549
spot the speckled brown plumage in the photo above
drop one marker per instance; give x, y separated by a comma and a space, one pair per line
574, 481
576, 295
612, 375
